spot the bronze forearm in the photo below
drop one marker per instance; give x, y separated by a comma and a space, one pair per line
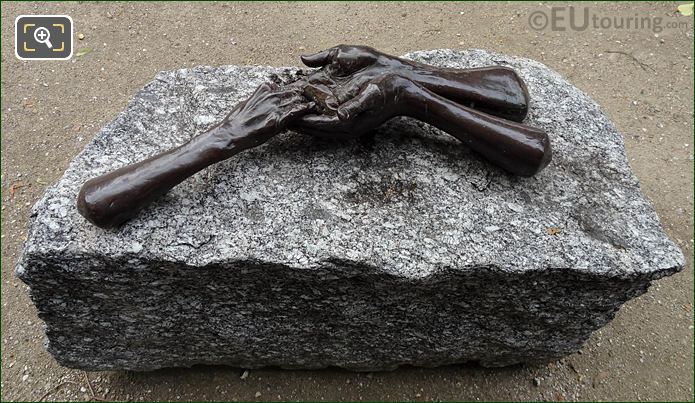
113, 198
519, 149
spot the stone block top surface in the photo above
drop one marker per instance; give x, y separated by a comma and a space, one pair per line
410, 201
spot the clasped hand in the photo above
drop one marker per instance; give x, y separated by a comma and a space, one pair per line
359, 88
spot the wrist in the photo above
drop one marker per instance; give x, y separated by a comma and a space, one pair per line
417, 102
410, 97
434, 77
218, 143
417, 72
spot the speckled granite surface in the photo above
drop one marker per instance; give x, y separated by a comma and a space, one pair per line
403, 249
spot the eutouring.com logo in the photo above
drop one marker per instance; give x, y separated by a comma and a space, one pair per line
571, 18
43, 37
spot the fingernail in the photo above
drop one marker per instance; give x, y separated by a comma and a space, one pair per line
332, 102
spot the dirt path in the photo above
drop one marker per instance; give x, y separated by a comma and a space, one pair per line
51, 109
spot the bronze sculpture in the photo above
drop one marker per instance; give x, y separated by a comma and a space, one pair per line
356, 90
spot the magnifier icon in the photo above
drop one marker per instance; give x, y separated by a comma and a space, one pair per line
43, 35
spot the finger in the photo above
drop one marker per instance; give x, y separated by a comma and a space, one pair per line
288, 93
322, 95
295, 98
264, 88
319, 59
258, 94
332, 102
346, 92
317, 125
261, 89
321, 78
317, 122
297, 111
369, 98
297, 84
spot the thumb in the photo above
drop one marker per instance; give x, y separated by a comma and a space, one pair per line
319, 59
369, 98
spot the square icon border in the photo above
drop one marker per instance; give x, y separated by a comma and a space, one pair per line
72, 37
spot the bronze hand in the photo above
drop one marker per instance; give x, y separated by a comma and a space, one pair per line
519, 149
496, 90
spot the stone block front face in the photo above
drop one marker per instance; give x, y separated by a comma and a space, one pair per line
404, 248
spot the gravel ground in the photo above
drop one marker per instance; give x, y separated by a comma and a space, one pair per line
642, 79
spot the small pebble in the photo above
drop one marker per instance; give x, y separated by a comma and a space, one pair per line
536, 382
80, 36
245, 374
258, 394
